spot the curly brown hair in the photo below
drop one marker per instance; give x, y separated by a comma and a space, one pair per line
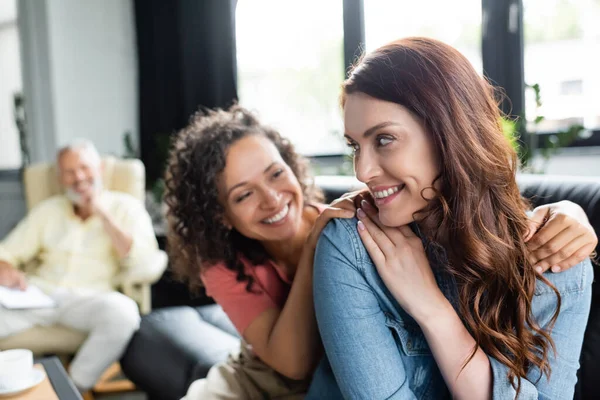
478, 214
197, 237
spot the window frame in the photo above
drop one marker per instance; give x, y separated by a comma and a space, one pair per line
502, 32
10, 174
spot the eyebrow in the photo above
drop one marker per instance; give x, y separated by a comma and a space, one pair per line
245, 183
374, 129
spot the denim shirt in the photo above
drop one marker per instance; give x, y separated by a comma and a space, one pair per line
375, 350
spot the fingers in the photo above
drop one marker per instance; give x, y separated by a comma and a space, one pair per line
536, 221
555, 224
22, 281
353, 198
568, 256
555, 247
13, 279
576, 258
371, 212
372, 248
378, 236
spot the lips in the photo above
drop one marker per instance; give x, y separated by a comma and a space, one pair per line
278, 217
384, 195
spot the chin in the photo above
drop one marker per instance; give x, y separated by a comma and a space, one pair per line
282, 234
395, 220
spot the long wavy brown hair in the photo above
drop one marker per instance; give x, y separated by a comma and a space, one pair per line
197, 237
477, 215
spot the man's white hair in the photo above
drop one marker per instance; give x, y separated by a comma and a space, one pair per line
80, 144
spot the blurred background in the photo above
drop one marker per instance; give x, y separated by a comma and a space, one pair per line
127, 74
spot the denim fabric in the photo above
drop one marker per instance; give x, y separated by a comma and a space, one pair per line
375, 350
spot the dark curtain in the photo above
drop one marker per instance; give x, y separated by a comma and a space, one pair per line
186, 59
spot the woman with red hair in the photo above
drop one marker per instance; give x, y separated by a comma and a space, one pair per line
432, 293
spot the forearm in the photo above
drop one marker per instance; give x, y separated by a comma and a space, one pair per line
6, 264
294, 343
120, 239
451, 345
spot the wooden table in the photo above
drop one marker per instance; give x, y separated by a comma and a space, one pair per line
56, 380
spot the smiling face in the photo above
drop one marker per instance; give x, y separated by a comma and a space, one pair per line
261, 195
393, 155
80, 173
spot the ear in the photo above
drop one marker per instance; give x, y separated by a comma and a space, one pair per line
225, 221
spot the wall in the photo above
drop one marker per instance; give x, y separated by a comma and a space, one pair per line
94, 71
79, 68
80, 73
10, 83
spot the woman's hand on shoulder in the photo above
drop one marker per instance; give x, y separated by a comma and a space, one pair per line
560, 236
344, 207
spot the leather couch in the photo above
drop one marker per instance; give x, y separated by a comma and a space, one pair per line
175, 346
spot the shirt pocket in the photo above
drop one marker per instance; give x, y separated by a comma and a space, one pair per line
423, 376
409, 337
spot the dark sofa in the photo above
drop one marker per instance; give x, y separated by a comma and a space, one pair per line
177, 345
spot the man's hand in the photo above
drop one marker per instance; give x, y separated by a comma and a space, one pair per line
92, 203
11, 277
560, 236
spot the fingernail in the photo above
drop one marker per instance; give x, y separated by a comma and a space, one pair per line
538, 269
556, 268
365, 204
361, 226
360, 213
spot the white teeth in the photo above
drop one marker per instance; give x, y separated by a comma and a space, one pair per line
277, 217
385, 193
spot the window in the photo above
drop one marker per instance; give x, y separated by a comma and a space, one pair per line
562, 56
574, 88
457, 23
290, 66
10, 84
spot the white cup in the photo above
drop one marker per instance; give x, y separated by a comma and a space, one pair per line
16, 367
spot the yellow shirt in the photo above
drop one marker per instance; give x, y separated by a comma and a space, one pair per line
77, 254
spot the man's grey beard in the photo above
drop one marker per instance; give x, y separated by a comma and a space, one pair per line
76, 198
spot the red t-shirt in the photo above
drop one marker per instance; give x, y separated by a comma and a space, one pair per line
270, 289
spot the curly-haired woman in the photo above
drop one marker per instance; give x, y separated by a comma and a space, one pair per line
245, 217
244, 221
432, 293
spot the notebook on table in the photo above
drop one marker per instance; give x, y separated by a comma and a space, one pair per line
32, 297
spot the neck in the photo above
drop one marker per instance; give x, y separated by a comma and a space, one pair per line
287, 252
82, 212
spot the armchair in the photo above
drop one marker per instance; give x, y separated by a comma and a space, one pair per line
40, 182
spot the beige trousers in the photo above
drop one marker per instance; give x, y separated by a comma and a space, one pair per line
110, 319
245, 376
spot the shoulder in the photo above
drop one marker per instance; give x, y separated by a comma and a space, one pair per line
217, 277
340, 235
217, 272
52, 205
575, 280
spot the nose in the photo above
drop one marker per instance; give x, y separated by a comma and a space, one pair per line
79, 175
271, 198
366, 167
